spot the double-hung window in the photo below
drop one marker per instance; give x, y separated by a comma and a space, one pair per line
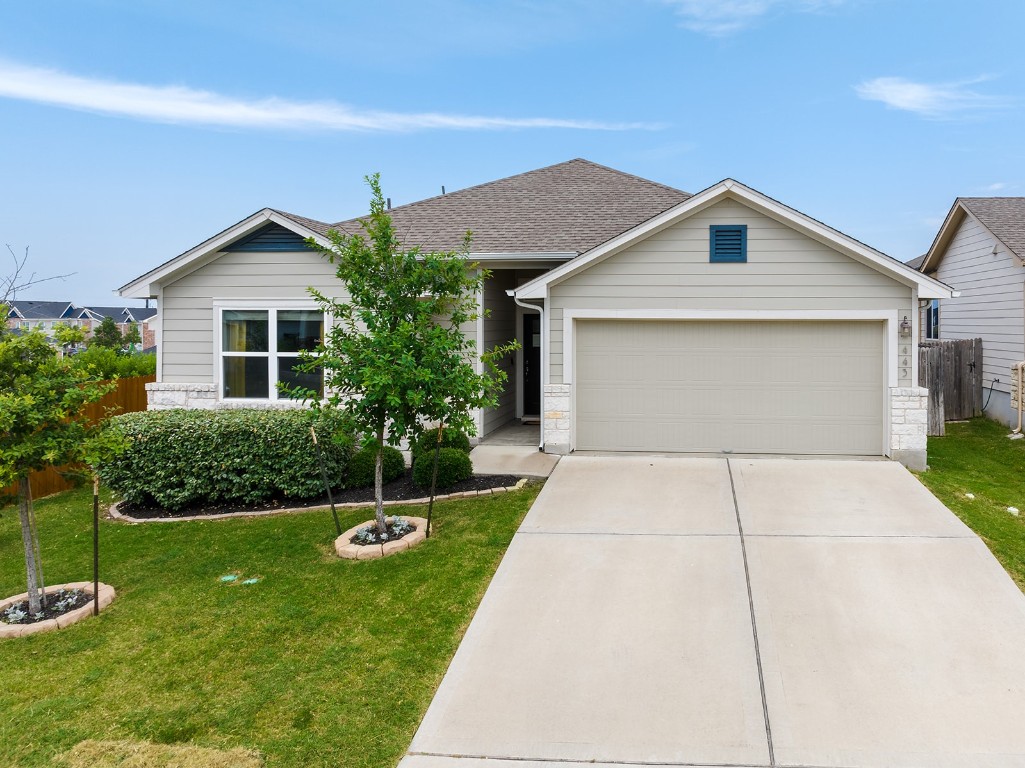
260, 347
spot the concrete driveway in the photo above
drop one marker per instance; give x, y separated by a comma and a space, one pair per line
742, 612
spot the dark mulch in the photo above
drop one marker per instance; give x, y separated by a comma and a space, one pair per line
397, 490
78, 599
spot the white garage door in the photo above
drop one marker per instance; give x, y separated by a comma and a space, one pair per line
745, 387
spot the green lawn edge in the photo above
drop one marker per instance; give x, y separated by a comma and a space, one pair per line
322, 662
976, 457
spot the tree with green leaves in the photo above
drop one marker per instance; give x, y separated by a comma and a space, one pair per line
395, 356
107, 335
41, 424
68, 336
131, 337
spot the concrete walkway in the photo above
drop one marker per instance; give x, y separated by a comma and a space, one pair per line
749, 612
519, 460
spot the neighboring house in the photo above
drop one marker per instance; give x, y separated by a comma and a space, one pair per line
125, 317
979, 251
650, 319
47, 315
43, 315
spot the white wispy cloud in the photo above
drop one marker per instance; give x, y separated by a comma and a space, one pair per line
184, 105
998, 186
719, 18
932, 100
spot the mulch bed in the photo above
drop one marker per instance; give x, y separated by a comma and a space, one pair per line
397, 490
50, 612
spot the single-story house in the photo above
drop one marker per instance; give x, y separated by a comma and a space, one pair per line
979, 251
650, 319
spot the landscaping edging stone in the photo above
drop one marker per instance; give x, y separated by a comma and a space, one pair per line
346, 549
107, 595
114, 513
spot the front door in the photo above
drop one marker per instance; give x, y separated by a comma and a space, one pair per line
531, 364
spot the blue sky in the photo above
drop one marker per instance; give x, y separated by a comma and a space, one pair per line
131, 131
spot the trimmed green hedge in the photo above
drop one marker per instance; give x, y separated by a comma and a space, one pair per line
450, 438
181, 458
453, 465
363, 463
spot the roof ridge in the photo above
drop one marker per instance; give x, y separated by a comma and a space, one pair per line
486, 184
298, 217
998, 197
459, 191
632, 176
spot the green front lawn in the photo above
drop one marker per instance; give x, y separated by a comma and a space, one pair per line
323, 662
976, 457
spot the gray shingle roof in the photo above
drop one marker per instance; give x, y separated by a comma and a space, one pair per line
40, 310
568, 207
1003, 216
121, 314
916, 262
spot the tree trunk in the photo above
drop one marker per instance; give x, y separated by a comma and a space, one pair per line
31, 567
382, 526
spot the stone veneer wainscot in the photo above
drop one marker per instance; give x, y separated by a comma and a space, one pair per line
163, 397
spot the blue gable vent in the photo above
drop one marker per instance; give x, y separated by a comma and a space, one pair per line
273, 237
728, 243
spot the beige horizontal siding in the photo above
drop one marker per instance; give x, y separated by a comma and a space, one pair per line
990, 306
670, 270
186, 305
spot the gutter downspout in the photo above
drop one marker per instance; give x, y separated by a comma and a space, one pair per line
544, 369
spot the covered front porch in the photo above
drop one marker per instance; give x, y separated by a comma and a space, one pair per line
516, 419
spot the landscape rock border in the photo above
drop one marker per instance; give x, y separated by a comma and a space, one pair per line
114, 513
107, 595
345, 549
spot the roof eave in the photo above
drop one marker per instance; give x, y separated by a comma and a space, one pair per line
927, 287
944, 235
145, 286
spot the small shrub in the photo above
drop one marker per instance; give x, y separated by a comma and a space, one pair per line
180, 458
450, 438
397, 528
453, 466
362, 464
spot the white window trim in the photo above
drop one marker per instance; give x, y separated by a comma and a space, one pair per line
271, 306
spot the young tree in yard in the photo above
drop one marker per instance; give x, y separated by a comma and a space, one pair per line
41, 424
395, 355
107, 335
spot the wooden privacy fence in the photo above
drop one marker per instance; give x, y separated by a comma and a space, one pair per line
130, 395
952, 372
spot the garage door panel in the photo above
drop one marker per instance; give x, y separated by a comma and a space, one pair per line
775, 387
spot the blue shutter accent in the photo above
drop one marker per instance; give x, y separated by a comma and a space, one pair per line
273, 237
727, 243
